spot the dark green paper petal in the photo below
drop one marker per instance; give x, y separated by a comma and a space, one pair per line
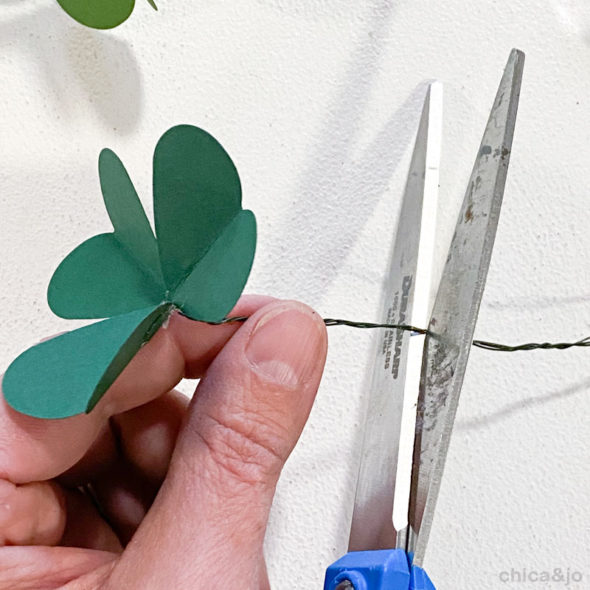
217, 280
100, 279
197, 193
129, 220
98, 14
69, 374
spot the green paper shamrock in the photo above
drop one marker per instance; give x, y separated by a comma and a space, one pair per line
198, 264
100, 14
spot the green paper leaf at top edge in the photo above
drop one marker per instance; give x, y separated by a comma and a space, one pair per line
152, 4
98, 14
132, 227
217, 280
69, 374
100, 279
197, 193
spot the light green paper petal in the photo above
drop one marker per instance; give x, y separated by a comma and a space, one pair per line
98, 14
69, 374
217, 280
127, 215
100, 279
197, 193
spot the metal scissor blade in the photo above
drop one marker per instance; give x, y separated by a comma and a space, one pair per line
398, 357
457, 304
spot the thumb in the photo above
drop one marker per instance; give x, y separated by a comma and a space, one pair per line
208, 523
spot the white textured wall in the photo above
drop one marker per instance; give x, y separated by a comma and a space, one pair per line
317, 101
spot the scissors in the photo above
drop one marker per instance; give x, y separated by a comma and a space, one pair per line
417, 378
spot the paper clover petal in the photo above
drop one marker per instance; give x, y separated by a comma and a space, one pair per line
99, 14
197, 193
217, 280
205, 249
100, 279
127, 215
115, 273
69, 374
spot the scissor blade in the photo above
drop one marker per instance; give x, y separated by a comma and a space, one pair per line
457, 304
398, 356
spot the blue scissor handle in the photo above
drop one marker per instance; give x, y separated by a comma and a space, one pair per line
386, 569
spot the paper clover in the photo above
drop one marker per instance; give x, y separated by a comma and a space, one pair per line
100, 14
198, 265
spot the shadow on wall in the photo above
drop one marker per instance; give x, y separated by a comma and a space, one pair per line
81, 68
528, 304
522, 405
338, 191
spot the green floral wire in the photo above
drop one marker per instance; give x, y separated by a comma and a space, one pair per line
486, 345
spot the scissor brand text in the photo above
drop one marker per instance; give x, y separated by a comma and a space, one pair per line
399, 334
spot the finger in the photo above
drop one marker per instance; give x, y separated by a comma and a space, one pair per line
42, 568
43, 513
126, 465
124, 497
32, 449
144, 436
242, 424
85, 526
147, 435
31, 514
100, 458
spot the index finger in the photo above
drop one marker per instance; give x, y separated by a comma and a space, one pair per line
32, 449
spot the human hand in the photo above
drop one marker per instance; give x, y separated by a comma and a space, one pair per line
148, 491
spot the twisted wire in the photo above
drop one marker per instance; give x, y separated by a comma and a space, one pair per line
485, 344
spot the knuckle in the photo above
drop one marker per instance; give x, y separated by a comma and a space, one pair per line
243, 447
